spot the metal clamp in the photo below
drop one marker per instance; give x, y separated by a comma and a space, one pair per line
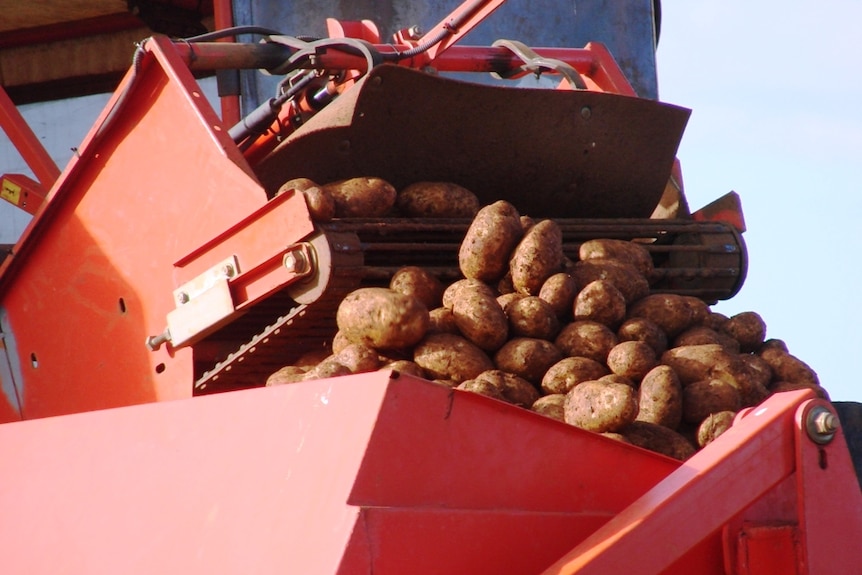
537, 64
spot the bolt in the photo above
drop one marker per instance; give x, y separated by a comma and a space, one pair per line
586, 112
228, 270
822, 425
155, 341
182, 298
295, 262
414, 32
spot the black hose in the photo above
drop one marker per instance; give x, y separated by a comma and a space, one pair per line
233, 31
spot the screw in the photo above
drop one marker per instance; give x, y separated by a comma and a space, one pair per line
586, 112
414, 32
228, 270
822, 425
183, 297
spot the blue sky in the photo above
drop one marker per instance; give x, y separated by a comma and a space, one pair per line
775, 92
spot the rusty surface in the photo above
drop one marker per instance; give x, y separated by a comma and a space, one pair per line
549, 152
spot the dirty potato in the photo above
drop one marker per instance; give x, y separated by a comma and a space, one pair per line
551, 406
514, 389
748, 328
787, 367
586, 339
698, 362
701, 334
624, 251
327, 368
419, 283
701, 398
559, 290
358, 358
489, 241
601, 406
481, 387
321, 204
671, 312
287, 374
381, 318
437, 200
660, 397
531, 316
659, 439
600, 301
442, 320
362, 197
631, 359
642, 329
537, 256
714, 425
480, 319
569, 372
527, 357
453, 291
625, 277
446, 356
405, 366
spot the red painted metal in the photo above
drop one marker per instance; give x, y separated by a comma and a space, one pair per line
766, 453
83, 28
372, 473
155, 179
26, 142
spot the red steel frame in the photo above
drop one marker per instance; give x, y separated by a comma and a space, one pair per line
387, 474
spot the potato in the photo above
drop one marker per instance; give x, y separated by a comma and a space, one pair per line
624, 251
671, 312
748, 328
698, 362
701, 398
586, 339
715, 320
537, 257
527, 357
752, 378
616, 378
437, 200
659, 439
514, 389
489, 241
442, 320
559, 290
362, 197
531, 316
642, 329
447, 356
339, 342
321, 204
405, 366
480, 319
569, 372
602, 302
631, 359
419, 283
287, 374
551, 406
624, 277
381, 318
601, 406
358, 358
312, 357
700, 334
714, 425
700, 312
506, 299
787, 367
482, 387
327, 368
660, 397
452, 292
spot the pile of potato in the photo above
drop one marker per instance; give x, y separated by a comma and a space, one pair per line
584, 342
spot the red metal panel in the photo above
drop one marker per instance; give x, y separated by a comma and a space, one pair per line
93, 274
270, 480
